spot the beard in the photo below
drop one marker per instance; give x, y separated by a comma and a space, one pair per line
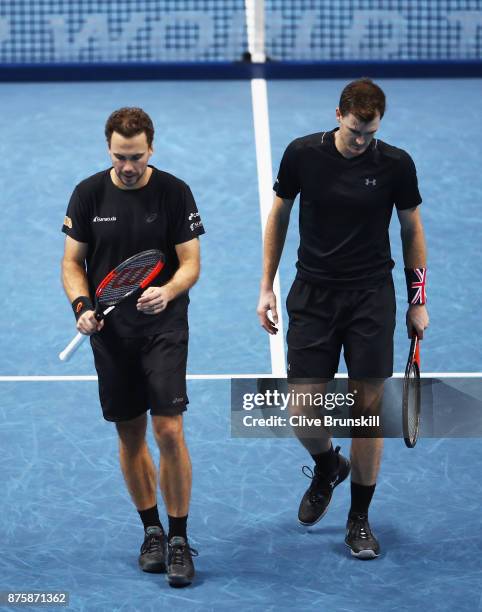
130, 180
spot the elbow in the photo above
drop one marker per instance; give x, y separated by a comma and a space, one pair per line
63, 268
69, 267
196, 273
408, 234
190, 271
66, 264
280, 215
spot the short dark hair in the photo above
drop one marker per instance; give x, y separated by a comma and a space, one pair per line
129, 122
363, 98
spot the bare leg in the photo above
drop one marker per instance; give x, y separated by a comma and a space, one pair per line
366, 453
316, 440
175, 472
136, 462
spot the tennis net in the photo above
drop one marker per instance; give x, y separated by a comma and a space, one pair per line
91, 31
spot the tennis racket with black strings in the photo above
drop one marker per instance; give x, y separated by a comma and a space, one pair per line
411, 403
133, 274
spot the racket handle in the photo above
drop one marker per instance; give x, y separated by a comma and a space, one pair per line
71, 347
74, 344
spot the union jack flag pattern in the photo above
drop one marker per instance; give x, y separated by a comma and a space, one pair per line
416, 279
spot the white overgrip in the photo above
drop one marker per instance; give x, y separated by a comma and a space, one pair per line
72, 346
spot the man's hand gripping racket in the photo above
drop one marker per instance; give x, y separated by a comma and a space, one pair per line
132, 275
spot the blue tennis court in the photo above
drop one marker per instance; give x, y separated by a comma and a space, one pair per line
68, 523
66, 518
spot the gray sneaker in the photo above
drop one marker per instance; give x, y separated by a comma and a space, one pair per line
360, 538
180, 568
153, 551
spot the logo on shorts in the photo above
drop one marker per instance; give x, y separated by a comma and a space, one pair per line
103, 219
177, 400
68, 222
151, 217
372, 182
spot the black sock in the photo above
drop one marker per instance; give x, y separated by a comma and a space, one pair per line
326, 462
177, 526
150, 517
361, 496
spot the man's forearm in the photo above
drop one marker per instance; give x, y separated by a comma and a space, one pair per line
414, 249
184, 278
274, 240
74, 279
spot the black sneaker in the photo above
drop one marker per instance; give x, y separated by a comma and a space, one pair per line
315, 501
180, 568
153, 551
359, 537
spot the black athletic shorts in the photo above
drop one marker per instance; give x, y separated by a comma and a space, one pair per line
323, 320
138, 374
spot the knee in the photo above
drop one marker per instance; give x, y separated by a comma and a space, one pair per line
368, 399
305, 399
132, 434
168, 433
305, 409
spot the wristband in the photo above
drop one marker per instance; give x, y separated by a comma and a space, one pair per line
416, 279
80, 305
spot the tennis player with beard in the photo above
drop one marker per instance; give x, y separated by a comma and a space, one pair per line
140, 349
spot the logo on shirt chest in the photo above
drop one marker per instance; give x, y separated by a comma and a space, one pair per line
370, 182
104, 219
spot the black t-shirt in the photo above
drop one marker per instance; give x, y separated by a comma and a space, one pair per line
118, 223
345, 207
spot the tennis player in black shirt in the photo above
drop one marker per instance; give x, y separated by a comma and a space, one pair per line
140, 349
343, 294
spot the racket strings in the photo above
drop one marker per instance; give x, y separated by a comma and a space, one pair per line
128, 277
413, 403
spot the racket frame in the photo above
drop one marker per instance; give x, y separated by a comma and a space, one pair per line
101, 310
412, 379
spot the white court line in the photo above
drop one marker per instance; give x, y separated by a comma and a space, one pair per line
259, 97
81, 378
84, 378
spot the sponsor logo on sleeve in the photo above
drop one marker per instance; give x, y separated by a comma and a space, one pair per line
195, 225
193, 215
68, 222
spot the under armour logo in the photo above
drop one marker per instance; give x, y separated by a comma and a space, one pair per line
370, 182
